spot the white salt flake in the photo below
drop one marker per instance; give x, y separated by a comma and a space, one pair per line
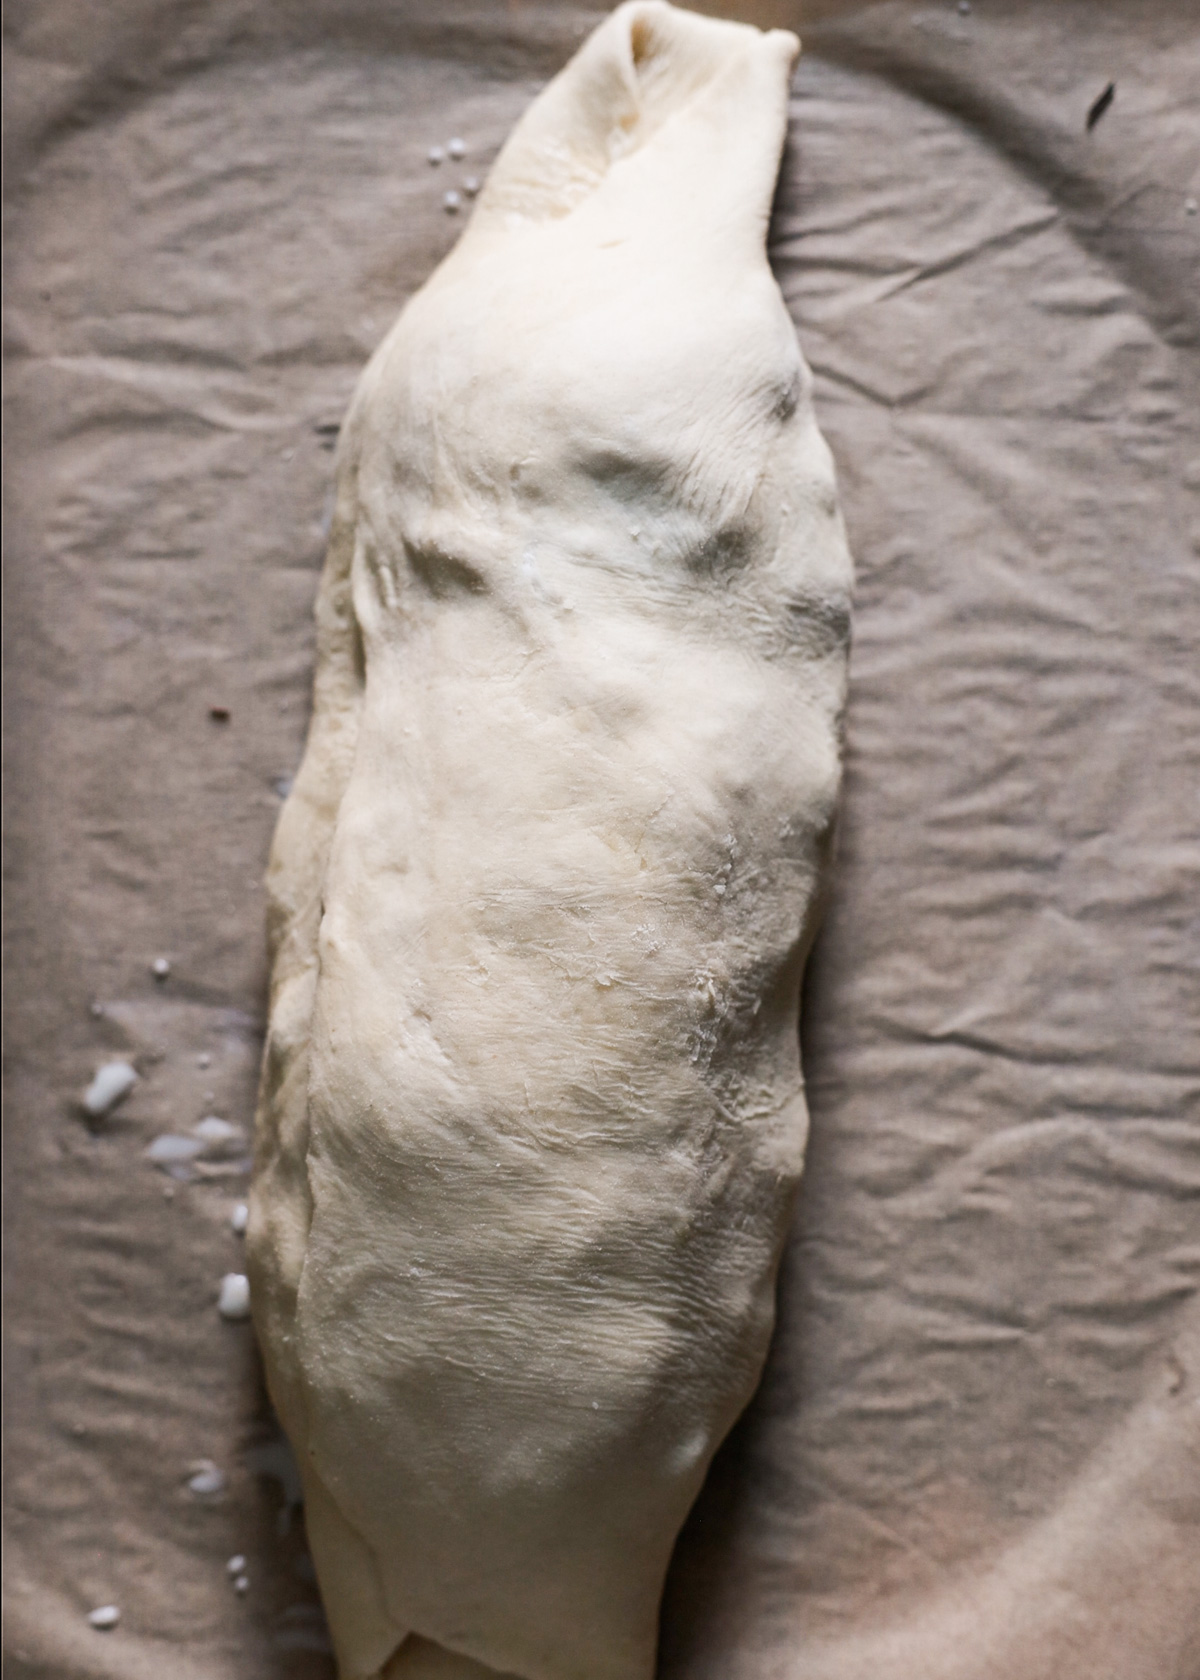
241, 1584
456, 148
236, 1565
234, 1299
452, 203
168, 1150
160, 968
203, 1060
112, 1082
471, 185
436, 155
239, 1219
213, 1130
104, 1618
205, 1477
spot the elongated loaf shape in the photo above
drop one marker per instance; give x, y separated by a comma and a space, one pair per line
532, 1115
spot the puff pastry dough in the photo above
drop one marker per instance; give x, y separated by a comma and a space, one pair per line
532, 1114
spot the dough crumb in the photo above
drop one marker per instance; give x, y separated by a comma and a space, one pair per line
233, 1302
205, 1477
218, 1137
168, 1150
112, 1082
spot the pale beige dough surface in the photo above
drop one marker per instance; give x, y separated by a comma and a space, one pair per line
533, 1117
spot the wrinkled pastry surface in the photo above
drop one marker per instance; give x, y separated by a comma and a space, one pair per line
532, 1114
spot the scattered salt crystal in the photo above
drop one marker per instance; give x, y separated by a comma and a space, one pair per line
436, 155
112, 1082
451, 203
106, 1617
239, 1219
471, 185
241, 1584
456, 148
205, 1477
234, 1299
97, 1010
236, 1565
160, 968
1190, 206
203, 1059
214, 1130
168, 1150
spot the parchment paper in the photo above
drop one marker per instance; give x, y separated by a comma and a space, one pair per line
974, 1453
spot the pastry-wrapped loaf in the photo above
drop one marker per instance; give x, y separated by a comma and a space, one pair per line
532, 1114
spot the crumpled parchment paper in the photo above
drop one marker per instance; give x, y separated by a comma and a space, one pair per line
973, 1456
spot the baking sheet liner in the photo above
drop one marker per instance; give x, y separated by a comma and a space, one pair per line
971, 1453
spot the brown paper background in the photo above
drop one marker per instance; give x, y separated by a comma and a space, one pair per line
974, 1453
